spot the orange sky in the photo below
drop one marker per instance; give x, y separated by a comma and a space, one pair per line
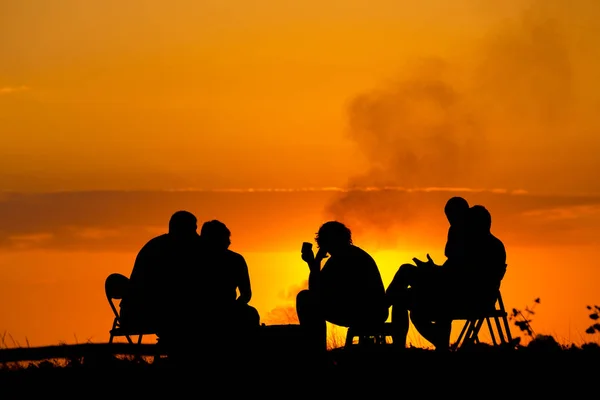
264, 114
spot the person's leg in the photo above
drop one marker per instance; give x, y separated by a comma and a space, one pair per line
445, 304
435, 332
244, 330
246, 316
443, 338
400, 325
312, 320
407, 276
398, 295
430, 306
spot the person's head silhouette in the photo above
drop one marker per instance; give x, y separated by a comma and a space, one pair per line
479, 220
183, 224
215, 235
333, 236
456, 209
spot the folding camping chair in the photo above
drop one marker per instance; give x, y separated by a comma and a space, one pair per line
115, 287
470, 331
469, 334
474, 321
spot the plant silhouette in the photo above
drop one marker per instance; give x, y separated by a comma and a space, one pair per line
522, 319
594, 316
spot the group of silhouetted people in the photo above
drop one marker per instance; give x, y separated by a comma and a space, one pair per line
348, 289
184, 284
182, 280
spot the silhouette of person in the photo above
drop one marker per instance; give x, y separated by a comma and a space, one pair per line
456, 210
347, 291
422, 281
485, 258
158, 296
432, 292
227, 273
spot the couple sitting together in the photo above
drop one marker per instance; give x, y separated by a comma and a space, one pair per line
348, 290
182, 280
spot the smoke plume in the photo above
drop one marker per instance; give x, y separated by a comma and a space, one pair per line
442, 125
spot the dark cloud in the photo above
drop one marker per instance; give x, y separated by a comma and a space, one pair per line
420, 132
519, 219
123, 221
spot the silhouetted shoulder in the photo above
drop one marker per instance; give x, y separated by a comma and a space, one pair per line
154, 244
235, 258
455, 243
498, 249
360, 256
157, 241
359, 252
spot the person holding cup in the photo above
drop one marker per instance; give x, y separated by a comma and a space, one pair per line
347, 291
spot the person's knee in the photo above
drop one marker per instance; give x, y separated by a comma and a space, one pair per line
406, 268
304, 297
252, 316
419, 319
403, 270
400, 278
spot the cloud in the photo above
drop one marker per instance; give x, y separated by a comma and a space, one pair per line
124, 220
281, 315
419, 132
523, 219
13, 89
272, 221
443, 125
291, 292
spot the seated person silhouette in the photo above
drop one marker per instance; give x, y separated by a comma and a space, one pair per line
485, 260
226, 273
347, 291
158, 297
425, 277
431, 293
456, 210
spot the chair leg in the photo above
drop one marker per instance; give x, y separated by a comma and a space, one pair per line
349, 337
507, 329
489, 324
466, 334
470, 335
500, 332
474, 333
456, 344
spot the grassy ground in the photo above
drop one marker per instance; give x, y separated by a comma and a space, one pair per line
541, 367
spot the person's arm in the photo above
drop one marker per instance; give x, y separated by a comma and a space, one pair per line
139, 273
244, 282
314, 276
372, 283
314, 265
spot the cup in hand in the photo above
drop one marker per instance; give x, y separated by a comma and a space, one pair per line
306, 247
